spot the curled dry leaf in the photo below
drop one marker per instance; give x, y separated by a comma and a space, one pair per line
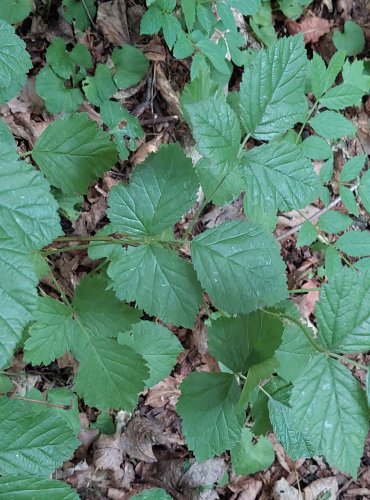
313, 28
112, 21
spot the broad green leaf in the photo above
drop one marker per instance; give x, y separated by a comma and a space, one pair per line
59, 58
51, 334
14, 62
171, 29
205, 17
272, 90
161, 190
14, 11
277, 176
152, 493
364, 190
79, 13
215, 128
62, 396
183, 47
326, 171
221, 183
69, 204
352, 168
354, 243
216, 55
130, 66
58, 98
6, 384
99, 88
157, 345
246, 8
27, 487
318, 80
259, 215
333, 263
104, 423
349, 200
332, 125
307, 234
297, 444
57, 326
18, 295
294, 353
151, 22
81, 56
39, 442
248, 458
239, 266
73, 151
188, 9
255, 374
327, 401
160, 282
342, 96
109, 375
244, 341
316, 148
334, 67
207, 407
124, 127
353, 74
363, 264
334, 222
351, 41
343, 312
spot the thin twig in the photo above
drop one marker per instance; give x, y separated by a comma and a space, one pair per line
159, 119
315, 216
42, 402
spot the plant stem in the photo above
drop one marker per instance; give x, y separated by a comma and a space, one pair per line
304, 290
310, 113
24, 155
244, 142
264, 391
340, 357
41, 402
304, 329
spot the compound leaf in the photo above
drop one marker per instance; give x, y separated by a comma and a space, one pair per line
207, 405
244, 341
327, 401
278, 176
73, 151
239, 265
130, 66
216, 129
343, 312
28, 487
14, 62
160, 282
157, 345
161, 190
38, 444
272, 90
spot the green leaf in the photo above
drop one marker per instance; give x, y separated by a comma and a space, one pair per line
79, 13
272, 94
349, 200
334, 222
294, 353
316, 148
151, 22
205, 17
58, 98
354, 243
332, 125
130, 66
69, 204
160, 282
255, 374
207, 406
342, 96
248, 458
244, 341
188, 9
215, 128
307, 234
326, 171
183, 47
343, 312
215, 53
73, 151
352, 168
333, 263
62, 396
351, 41
161, 190
353, 74
14, 62
254, 213
99, 88
50, 336
59, 58
327, 401
26, 487
157, 345
246, 8
239, 266
39, 442
109, 375
14, 11
153, 493
277, 176
364, 190
322, 77
368, 387
171, 29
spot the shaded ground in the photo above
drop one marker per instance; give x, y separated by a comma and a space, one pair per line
147, 448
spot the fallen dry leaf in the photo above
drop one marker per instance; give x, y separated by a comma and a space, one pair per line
313, 28
316, 489
111, 19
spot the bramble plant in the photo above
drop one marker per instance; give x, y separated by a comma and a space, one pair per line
275, 371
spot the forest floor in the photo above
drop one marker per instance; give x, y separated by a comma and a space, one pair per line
149, 450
